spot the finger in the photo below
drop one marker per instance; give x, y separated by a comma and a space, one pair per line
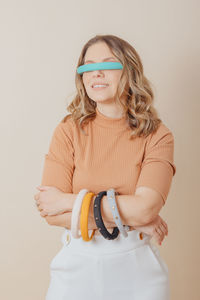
37, 203
166, 226
37, 207
36, 196
156, 236
158, 230
43, 187
43, 214
163, 228
160, 233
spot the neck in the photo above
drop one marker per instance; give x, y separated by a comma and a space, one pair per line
110, 110
104, 120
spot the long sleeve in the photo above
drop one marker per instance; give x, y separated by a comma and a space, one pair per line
59, 161
158, 168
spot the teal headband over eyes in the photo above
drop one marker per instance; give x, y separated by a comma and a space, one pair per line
99, 66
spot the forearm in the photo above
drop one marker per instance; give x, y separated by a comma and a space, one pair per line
64, 220
134, 211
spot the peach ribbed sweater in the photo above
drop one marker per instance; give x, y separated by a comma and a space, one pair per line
106, 158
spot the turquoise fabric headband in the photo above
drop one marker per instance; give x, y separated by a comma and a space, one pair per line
99, 66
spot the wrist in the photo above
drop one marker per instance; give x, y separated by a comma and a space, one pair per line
69, 199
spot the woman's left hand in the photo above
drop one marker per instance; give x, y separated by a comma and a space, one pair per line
50, 201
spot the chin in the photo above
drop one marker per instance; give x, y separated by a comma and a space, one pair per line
102, 98
105, 100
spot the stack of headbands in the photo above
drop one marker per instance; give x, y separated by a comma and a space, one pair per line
81, 210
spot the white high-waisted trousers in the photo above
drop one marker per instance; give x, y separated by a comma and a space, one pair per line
126, 268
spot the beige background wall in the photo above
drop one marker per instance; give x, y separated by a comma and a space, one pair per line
40, 45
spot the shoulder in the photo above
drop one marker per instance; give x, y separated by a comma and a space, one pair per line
64, 128
162, 135
160, 146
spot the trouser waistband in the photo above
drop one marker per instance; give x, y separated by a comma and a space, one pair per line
99, 245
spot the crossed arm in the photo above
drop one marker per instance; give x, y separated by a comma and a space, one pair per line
157, 170
135, 210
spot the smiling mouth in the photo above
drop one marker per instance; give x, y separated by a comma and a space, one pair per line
99, 87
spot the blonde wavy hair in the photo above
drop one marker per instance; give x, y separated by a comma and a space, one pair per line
141, 115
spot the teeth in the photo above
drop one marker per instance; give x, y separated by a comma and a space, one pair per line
99, 85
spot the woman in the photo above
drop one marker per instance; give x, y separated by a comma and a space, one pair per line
112, 138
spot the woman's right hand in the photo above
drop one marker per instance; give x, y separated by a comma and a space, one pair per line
157, 229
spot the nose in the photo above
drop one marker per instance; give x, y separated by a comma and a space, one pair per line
97, 72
